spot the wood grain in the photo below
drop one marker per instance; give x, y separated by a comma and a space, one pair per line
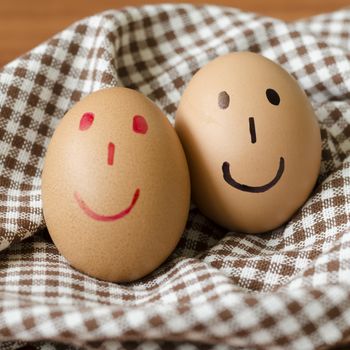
25, 24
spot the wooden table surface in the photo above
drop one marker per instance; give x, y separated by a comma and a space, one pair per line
26, 23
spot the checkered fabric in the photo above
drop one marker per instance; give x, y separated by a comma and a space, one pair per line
285, 289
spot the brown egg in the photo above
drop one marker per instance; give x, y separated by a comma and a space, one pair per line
115, 186
252, 142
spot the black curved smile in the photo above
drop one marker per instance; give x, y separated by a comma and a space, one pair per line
252, 189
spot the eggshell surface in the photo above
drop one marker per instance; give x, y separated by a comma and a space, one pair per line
252, 142
115, 186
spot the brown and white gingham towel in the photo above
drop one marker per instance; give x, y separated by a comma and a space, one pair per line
287, 289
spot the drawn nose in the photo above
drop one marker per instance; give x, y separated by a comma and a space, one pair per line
111, 149
252, 130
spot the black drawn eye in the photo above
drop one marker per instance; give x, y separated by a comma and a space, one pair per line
273, 97
223, 100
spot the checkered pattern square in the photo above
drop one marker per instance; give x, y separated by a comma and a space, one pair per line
284, 289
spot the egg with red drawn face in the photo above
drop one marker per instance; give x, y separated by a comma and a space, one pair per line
115, 186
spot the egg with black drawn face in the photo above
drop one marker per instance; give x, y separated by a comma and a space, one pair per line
115, 186
252, 142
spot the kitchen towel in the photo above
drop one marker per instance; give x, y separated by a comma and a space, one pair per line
285, 289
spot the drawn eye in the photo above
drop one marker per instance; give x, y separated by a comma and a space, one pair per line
86, 121
140, 124
223, 100
273, 97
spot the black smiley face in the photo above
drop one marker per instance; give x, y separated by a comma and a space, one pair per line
223, 103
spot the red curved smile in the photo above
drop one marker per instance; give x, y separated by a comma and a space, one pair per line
93, 215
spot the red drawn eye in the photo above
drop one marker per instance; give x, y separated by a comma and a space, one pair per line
139, 124
86, 121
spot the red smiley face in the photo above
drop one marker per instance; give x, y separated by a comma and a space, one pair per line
139, 126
